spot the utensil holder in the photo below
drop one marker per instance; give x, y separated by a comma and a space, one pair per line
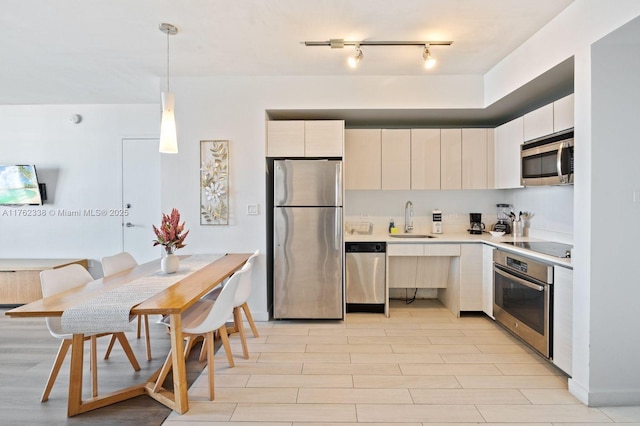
517, 229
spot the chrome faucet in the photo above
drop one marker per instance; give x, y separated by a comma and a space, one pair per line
408, 214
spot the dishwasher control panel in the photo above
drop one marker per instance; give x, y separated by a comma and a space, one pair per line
366, 247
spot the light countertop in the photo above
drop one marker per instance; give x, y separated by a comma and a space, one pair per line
464, 238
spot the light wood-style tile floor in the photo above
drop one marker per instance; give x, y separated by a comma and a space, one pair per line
421, 366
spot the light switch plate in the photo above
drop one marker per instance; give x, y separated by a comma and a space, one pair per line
252, 210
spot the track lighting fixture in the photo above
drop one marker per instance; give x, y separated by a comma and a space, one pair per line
429, 61
356, 58
338, 43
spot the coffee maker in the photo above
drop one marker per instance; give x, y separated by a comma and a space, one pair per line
476, 225
504, 220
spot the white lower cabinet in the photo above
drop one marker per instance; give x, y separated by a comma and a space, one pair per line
487, 279
471, 277
563, 319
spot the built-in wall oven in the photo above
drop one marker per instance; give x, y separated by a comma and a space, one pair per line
523, 295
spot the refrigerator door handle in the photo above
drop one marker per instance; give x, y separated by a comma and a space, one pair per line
338, 184
337, 242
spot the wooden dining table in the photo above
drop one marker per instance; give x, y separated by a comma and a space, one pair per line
172, 301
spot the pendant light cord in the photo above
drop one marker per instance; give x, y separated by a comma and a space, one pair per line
168, 89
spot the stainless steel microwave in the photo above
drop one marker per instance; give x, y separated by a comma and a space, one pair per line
548, 160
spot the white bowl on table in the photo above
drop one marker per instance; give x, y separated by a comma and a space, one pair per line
496, 233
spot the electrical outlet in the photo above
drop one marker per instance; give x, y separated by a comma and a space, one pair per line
636, 196
252, 210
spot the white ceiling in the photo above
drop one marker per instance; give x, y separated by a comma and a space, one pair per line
111, 51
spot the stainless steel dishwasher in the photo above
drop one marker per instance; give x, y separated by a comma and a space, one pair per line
365, 276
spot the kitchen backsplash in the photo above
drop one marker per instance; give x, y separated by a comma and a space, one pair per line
381, 206
552, 207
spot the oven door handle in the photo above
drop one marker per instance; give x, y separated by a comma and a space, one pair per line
518, 280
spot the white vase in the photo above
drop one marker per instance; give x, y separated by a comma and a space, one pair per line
170, 263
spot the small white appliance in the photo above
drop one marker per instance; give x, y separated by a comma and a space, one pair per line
436, 223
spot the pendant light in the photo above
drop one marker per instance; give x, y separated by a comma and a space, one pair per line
168, 136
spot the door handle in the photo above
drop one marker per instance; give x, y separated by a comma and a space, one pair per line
129, 225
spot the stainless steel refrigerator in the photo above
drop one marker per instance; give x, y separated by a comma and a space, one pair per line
307, 239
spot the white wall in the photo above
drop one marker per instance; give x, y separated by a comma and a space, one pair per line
580, 24
552, 208
81, 166
615, 370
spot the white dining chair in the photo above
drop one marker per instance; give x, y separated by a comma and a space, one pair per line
113, 265
204, 318
240, 305
54, 281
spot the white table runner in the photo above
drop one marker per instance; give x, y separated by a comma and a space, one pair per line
110, 311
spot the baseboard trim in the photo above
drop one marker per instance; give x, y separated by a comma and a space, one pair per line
579, 391
604, 399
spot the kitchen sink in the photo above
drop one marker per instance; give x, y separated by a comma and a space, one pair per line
411, 236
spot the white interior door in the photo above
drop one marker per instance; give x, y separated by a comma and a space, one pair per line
140, 197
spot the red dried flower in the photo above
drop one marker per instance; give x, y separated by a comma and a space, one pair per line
170, 233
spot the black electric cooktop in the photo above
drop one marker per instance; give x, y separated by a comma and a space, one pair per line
545, 247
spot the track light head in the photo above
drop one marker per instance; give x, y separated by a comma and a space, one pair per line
356, 58
429, 61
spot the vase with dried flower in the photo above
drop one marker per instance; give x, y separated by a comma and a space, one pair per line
170, 235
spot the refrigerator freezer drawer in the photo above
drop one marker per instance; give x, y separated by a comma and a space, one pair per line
307, 264
311, 183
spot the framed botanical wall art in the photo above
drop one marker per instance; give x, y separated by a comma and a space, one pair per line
214, 182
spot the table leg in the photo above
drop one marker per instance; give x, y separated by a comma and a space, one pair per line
75, 375
179, 366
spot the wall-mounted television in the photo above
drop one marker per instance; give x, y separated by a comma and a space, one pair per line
19, 186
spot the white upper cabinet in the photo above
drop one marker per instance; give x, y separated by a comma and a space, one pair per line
425, 158
362, 159
323, 138
298, 138
451, 159
508, 138
285, 138
538, 123
474, 158
551, 118
396, 159
563, 113
491, 158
